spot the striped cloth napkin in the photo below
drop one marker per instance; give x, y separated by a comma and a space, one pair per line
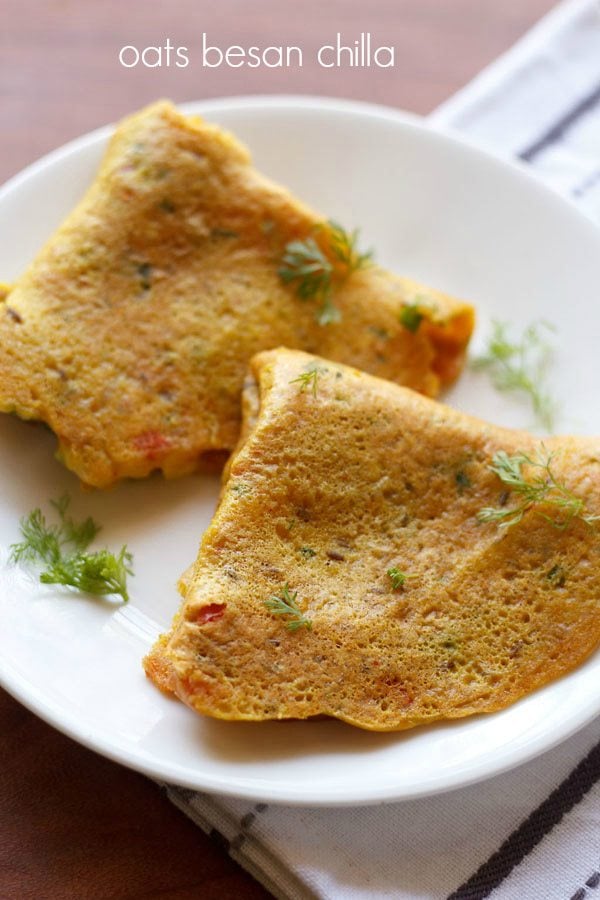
534, 833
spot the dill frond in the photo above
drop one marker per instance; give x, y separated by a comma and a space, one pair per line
284, 604
41, 542
344, 247
316, 267
535, 486
81, 535
97, 573
308, 379
521, 366
61, 549
328, 314
398, 578
304, 263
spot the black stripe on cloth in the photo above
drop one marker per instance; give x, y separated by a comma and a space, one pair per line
531, 831
246, 823
592, 882
589, 182
555, 133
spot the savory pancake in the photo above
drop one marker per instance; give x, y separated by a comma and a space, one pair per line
131, 332
384, 559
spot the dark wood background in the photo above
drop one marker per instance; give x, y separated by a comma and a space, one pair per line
73, 825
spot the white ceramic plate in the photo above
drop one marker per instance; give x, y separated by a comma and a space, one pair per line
435, 209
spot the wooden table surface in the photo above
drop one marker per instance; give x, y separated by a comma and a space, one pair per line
74, 825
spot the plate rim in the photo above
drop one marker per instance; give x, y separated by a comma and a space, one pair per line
32, 697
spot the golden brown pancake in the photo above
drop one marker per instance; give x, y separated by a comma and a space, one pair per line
330, 489
131, 332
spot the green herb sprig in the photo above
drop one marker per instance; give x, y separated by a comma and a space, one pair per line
284, 604
411, 317
344, 246
537, 485
62, 549
308, 552
398, 578
315, 267
521, 365
309, 379
98, 573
